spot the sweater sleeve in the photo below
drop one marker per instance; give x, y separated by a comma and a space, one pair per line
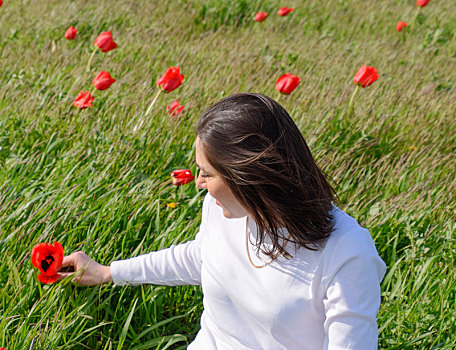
178, 265
352, 300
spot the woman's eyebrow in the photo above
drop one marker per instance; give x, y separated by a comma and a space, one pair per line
199, 167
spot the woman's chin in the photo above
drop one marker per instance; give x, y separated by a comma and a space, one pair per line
227, 214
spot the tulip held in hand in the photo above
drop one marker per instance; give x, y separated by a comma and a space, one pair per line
287, 83
70, 33
103, 80
47, 259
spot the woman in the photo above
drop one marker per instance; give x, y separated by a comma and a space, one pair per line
280, 266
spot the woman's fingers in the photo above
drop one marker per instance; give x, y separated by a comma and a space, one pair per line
75, 260
87, 272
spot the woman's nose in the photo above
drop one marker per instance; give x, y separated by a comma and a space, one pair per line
200, 182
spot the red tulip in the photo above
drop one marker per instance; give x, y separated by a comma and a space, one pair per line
84, 100
1, 3
48, 259
105, 42
285, 11
365, 76
401, 25
70, 33
422, 3
103, 80
261, 16
171, 80
175, 108
182, 177
287, 83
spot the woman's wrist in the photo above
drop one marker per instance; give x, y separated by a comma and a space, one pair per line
107, 274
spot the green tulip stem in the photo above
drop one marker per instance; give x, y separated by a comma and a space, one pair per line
414, 18
153, 102
90, 60
278, 97
350, 104
450, 47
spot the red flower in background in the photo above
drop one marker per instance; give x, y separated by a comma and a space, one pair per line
1, 3
422, 3
84, 100
365, 76
261, 16
70, 33
175, 108
105, 42
171, 80
287, 83
48, 259
401, 25
284, 11
182, 177
103, 80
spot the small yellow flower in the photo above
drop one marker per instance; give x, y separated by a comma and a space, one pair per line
412, 148
171, 205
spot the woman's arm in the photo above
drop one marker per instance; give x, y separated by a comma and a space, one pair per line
351, 306
177, 265
352, 297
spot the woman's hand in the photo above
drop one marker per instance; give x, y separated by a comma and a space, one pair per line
87, 272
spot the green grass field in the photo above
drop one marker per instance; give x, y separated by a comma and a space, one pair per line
88, 179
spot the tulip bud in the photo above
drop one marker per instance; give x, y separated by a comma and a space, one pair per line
84, 100
70, 33
182, 176
261, 16
365, 76
401, 25
105, 42
175, 108
171, 80
422, 3
287, 83
103, 80
284, 11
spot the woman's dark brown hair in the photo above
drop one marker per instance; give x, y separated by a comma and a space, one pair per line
256, 147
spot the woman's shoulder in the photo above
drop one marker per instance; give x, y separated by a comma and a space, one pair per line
349, 239
352, 245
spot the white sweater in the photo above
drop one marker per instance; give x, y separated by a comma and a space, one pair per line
325, 299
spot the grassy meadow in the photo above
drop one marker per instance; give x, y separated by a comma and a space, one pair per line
91, 180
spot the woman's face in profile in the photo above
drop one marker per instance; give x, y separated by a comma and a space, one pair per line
209, 179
